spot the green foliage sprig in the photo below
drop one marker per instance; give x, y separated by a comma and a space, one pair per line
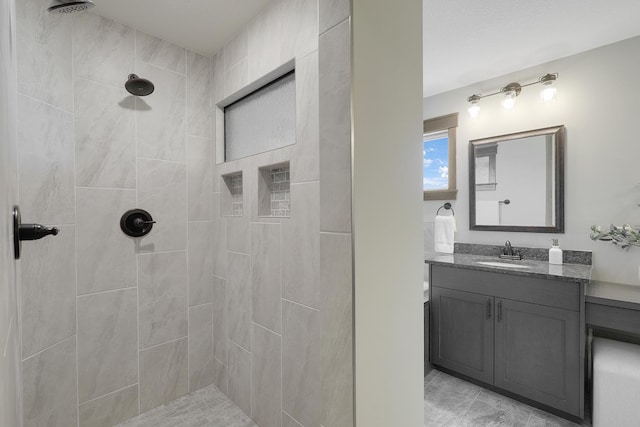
624, 236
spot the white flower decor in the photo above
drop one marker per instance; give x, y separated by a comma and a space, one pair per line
624, 236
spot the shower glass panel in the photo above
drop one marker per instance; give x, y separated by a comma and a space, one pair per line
261, 121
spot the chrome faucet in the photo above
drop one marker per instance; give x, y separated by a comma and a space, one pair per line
509, 253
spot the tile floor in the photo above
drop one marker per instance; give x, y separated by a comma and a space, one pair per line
450, 401
207, 407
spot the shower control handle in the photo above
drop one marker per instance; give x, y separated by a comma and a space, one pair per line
35, 231
139, 222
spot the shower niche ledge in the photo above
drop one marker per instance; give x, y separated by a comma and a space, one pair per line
274, 191
232, 194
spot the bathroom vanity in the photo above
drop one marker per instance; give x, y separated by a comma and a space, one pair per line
517, 327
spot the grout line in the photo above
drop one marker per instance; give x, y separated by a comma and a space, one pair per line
105, 188
108, 394
336, 233
161, 252
46, 103
47, 348
161, 160
290, 416
6, 341
107, 291
163, 343
301, 305
187, 202
137, 246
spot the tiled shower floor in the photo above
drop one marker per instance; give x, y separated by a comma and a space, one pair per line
207, 407
450, 401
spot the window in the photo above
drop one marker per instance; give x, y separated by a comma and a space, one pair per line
261, 121
439, 158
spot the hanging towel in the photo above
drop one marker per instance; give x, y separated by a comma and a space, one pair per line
444, 229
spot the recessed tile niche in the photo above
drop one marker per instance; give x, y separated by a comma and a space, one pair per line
232, 201
273, 191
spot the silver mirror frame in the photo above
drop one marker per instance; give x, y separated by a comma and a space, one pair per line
559, 133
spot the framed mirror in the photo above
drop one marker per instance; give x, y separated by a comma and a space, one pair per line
516, 182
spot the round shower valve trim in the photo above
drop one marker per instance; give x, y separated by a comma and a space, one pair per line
136, 222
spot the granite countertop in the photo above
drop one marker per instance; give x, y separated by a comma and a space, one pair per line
613, 294
541, 269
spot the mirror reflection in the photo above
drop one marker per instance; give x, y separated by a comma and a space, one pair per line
516, 181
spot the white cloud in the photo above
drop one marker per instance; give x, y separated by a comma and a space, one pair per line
427, 162
444, 172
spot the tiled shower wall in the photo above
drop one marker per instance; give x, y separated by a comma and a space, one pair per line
283, 286
10, 405
111, 326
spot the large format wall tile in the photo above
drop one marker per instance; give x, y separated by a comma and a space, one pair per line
264, 41
161, 116
305, 163
239, 234
162, 289
301, 363
301, 246
106, 256
235, 50
48, 291
299, 27
45, 145
217, 81
162, 189
332, 12
43, 49
201, 369
105, 132
199, 117
111, 409
199, 178
103, 50
239, 299
200, 263
240, 377
287, 421
335, 129
266, 378
220, 376
220, 319
49, 387
107, 343
236, 78
163, 374
336, 312
266, 278
160, 53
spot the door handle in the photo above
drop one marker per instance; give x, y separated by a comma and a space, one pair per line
27, 232
499, 311
489, 309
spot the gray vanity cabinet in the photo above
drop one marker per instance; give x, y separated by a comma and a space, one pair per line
463, 326
537, 353
520, 334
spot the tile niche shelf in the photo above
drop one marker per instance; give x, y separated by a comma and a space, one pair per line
274, 191
232, 197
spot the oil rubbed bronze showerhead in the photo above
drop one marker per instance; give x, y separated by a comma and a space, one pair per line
70, 6
138, 86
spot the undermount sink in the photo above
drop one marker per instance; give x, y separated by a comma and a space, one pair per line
502, 264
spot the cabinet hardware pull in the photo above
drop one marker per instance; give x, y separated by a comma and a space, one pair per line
489, 309
499, 311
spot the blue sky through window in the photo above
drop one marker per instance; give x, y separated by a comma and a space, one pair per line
435, 164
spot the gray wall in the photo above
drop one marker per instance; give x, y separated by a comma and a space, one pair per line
282, 286
113, 324
10, 403
597, 103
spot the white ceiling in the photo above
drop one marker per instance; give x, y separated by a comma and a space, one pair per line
465, 41
203, 26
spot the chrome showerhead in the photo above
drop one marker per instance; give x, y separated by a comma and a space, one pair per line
138, 86
70, 6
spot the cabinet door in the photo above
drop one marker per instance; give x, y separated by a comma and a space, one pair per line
462, 332
537, 353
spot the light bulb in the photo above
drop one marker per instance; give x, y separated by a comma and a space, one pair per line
474, 108
548, 92
509, 100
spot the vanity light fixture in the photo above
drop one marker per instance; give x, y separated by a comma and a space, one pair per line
512, 90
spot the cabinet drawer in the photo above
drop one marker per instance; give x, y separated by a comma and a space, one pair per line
551, 293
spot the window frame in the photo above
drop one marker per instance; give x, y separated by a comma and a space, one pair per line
447, 123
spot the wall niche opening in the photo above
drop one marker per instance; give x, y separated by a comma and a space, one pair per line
274, 191
232, 197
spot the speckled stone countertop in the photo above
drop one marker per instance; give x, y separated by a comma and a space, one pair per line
541, 269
